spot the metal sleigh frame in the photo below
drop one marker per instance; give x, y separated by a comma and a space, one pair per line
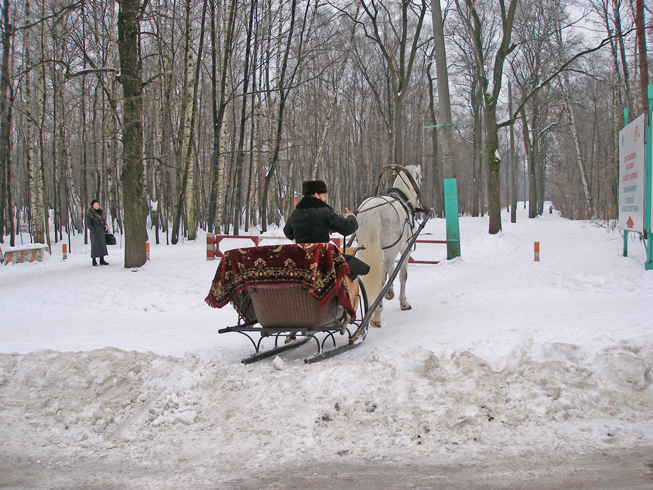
336, 322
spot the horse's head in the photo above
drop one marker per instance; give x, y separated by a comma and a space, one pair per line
403, 183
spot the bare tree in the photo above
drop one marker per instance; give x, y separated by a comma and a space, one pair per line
129, 18
6, 207
219, 105
472, 20
643, 59
398, 40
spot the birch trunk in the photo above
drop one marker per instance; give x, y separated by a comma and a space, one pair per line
243, 120
218, 180
567, 96
36, 225
42, 208
186, 147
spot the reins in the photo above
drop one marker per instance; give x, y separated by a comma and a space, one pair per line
410, 215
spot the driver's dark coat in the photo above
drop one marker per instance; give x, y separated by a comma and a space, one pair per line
313, 219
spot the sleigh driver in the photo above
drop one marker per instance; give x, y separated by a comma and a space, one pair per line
313, 220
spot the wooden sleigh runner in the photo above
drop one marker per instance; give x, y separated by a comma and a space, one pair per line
289, 295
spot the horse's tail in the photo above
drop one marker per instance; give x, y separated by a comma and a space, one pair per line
369, 236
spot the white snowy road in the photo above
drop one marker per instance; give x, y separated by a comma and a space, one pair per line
507, 373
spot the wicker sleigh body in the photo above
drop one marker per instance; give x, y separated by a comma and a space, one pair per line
277, 317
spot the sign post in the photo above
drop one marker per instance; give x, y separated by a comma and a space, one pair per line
450, 190
635, 176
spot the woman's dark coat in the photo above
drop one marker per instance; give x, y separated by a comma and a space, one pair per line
95, 224
313, 219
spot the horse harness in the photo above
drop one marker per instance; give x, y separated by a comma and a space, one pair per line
397, 195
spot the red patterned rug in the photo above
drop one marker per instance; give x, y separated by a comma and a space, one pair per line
319, 267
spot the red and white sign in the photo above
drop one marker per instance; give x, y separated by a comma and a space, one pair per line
632, 179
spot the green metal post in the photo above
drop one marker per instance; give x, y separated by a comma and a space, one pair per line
451, 214
625, 231
649, 158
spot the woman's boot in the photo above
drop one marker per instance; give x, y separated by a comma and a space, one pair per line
94, 261
103, 262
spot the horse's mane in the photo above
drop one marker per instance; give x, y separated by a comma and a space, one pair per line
402, 182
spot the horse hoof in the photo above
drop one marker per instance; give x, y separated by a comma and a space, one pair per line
375, 323
406, 307
389, 295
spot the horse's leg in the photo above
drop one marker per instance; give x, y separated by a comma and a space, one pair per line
403, 275
376, 318
391, 292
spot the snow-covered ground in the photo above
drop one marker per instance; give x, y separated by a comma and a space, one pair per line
124, 370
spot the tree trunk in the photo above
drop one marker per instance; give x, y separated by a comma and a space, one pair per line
444, 100
531, 150
186, 116
36, 223
132, 133
494, 166
478, 161
243, 120
192, 76
218, 164
6, 213
643, 60
616, 4
438, 192
282, 97
513, 164
320, 148
42, 207
473, 21
567, 96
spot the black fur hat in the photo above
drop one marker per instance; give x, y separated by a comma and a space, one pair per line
310, 187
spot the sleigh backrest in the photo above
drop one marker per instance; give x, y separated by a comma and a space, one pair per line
291, 306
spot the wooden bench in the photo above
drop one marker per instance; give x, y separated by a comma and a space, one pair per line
25, 253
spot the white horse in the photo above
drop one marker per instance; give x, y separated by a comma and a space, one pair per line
385, 226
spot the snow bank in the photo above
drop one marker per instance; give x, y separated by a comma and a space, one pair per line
410, 406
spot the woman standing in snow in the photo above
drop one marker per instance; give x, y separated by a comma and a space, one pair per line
97, 226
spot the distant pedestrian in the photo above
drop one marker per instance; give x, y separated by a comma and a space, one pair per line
98, 227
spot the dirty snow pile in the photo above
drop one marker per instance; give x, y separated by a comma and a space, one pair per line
499, 353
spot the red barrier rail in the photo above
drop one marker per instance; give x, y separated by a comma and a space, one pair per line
213, 242
413, 261
213, 245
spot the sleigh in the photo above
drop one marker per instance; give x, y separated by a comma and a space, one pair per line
289, 295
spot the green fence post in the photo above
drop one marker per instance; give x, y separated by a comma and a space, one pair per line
647, 199
451, 214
